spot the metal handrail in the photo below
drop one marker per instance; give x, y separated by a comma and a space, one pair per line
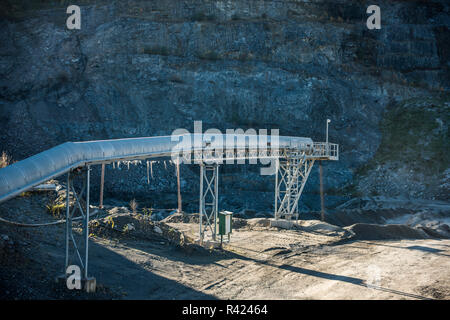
325, 150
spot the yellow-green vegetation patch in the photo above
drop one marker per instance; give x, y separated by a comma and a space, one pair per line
415, 132
55, 208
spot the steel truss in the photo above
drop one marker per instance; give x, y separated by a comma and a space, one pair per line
75, 252
209, 199
292, 172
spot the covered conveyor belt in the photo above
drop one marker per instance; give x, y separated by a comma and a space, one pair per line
23, 175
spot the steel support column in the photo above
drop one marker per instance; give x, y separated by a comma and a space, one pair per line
86, 222
73, 248
102, 184
68, 221
277, 167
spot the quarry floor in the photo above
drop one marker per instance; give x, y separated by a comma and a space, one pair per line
258, 264
315, 261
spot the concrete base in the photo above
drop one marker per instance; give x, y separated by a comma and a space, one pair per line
89, 284
283, 224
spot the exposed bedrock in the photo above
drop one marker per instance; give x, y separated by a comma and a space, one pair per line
142, 68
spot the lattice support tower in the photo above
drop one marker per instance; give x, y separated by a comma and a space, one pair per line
292, 172
209, 199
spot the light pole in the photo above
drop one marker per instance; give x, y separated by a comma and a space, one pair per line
328, 122
322, 202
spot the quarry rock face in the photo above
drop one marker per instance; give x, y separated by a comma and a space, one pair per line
143, 68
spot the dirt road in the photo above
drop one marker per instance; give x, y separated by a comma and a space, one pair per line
317, 261
282, 264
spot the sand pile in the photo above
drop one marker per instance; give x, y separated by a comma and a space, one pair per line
124, 225
436, 224
182, 218
367, 231
129, 226
317, 226
253, 223
193, 218
379, 210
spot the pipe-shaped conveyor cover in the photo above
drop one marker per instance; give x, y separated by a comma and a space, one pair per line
25, 174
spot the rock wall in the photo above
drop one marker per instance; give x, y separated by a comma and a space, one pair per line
141, 68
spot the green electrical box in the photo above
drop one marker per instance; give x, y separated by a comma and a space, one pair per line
225, 222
